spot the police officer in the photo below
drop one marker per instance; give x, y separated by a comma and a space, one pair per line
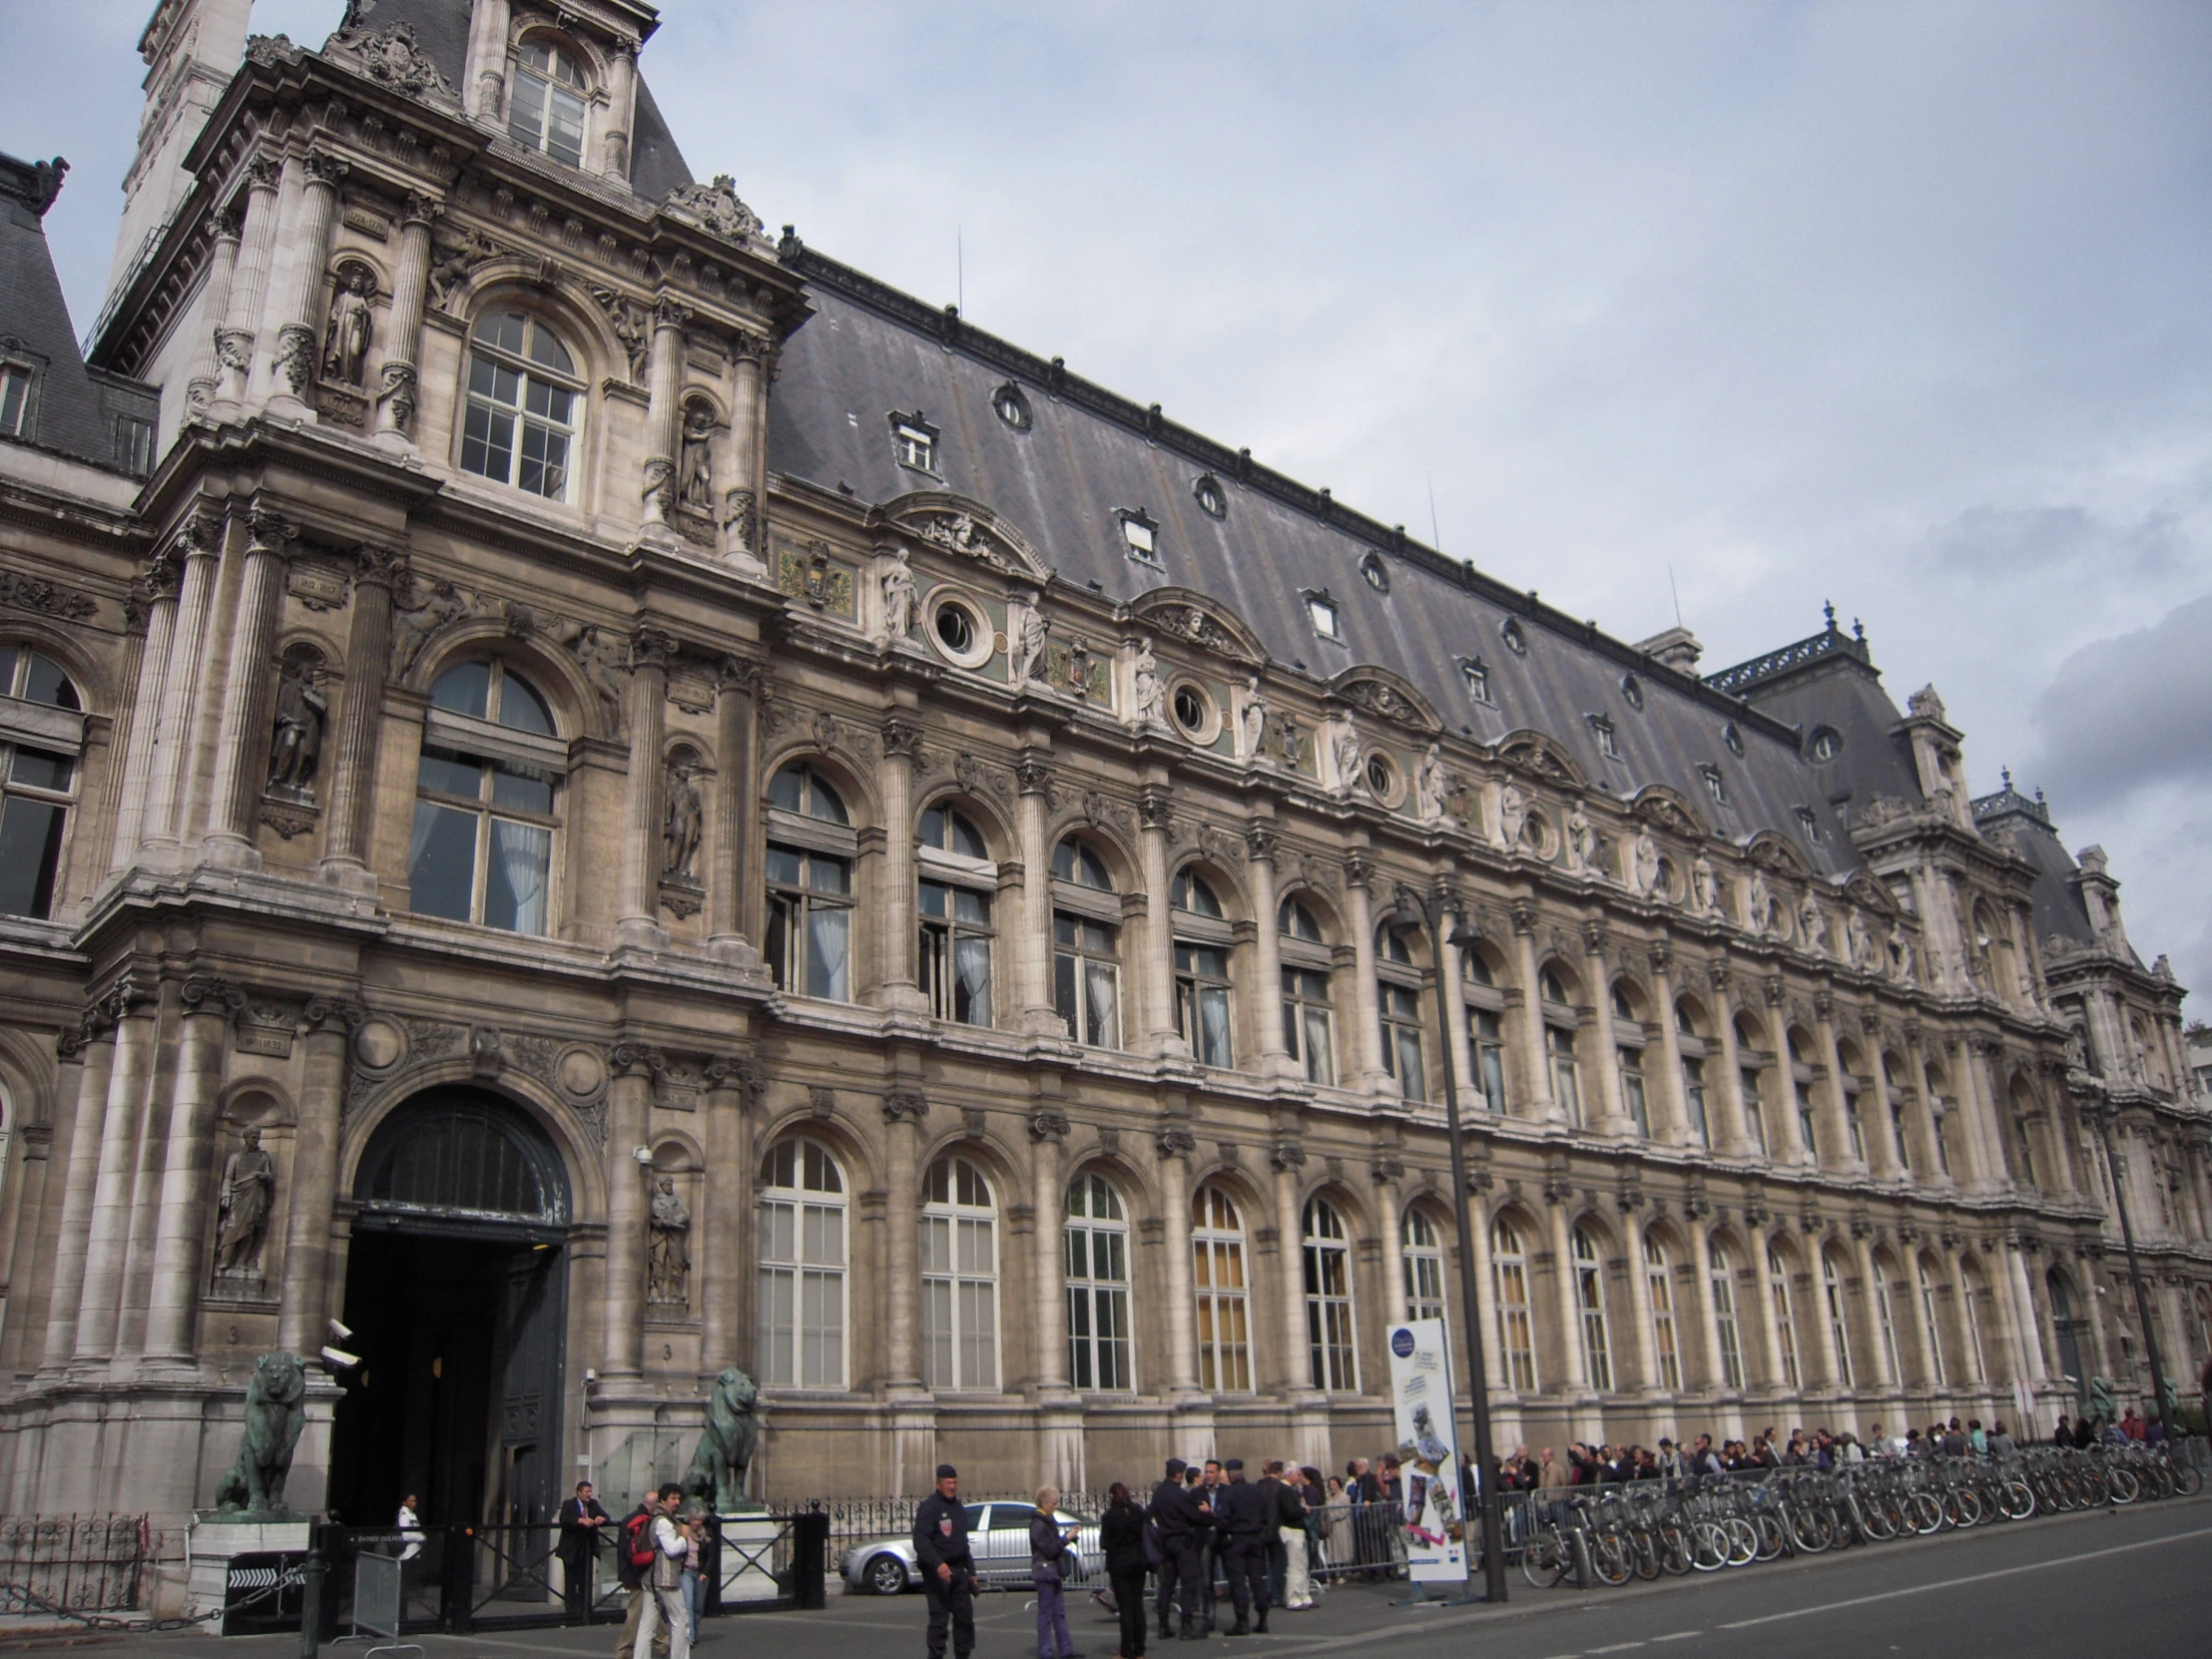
1169, 1529
1243, 1511
1207, 1485
947, 1569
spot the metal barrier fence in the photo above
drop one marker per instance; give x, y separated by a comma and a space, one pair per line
75, 1565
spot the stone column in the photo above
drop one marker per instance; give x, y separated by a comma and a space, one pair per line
247, 693
165, 790
1839, 1104
86, 1137
734, 792
1033, 941
1645, 1339
1671, 1099
1735, 1132
1390, 1209
1577, 1368
487, 60
101, 1305
898, 900
1175, 1148
1048, 1130
1493, 1355
1158, 960
1823, 1336
1708, 1310
1267, 956
234, 329
664, 416
1613, 1118
314, 1175
622, 85
1985, 1168
903, 1110
158, 588
1451, 988
731, 1085
2032, 1350
1928, 1339
351, 832
1873, 1289
410, 286
743, 525
628, 1109
1529, 1029
186, 1203
1770, 1322
1289, 1159
1366, 1019
640, 921
1881, 1143
294, 305
227, 226
1794, 1149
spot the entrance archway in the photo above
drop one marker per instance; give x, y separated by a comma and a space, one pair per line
457, 1294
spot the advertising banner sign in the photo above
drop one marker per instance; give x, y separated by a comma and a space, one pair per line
1427, 1452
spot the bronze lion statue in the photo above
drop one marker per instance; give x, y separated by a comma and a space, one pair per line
274, 1411
717, 1474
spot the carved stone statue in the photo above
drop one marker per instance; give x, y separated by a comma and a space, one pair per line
680, 823
295, 749
1581, 839
695, 487
1255, 718
1347, 757
242, 1208
1028, 628
1900, 953
1764, 913
718, 1468
1147, 691
1512, 815
1643, 865
1861, 940
346, 340
668, 1275
899, 598
1430, 785
1811, 926
1705, 889
255, 1485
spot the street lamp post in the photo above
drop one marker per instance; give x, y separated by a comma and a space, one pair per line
2098, 1107
1432, 908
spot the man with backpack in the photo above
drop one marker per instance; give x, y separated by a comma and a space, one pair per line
633, 1567
661, 1575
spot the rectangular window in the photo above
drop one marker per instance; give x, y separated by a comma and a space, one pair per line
1566, 1081
1715, 785
1224, 1338
134, 445
959, 1303
1632, 1091
1323, 615
802, 1280
1306, 1028
15, 400
1098, 1307
917, 448
1693, 1100
1608, 743
1086, 980
1517, 1333
956, 953
1329, 1338
1202, 1002
1477, 678
1402, 1055
1489, 1039
1724, 1319
1755, 1114
1142, 537
1809, 1140
1897, 1136
1858, 1133
810, 924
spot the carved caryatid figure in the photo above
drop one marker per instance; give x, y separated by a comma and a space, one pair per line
1347, 757
241, 1208
1705, 886
1643, 865
295, 747
1765, 915
1431, 787
1581, 839
1812, 926
346, 341
898, 597
680, 823
1861, 940
1029, 628
668, 1275
1148, 693
1254, 717
695, 487
1512, 815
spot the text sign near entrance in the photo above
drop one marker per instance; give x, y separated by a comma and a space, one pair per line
1427, 1452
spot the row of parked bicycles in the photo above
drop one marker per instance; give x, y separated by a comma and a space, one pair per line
1612, 1534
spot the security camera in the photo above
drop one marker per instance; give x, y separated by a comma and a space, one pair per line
643, 1154
340, 1331
337, 1360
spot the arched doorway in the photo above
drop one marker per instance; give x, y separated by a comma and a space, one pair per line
457, 1294
2068, 1328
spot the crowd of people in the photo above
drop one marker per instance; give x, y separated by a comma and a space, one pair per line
1591, 1464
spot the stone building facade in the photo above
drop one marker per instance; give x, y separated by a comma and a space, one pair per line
596, 797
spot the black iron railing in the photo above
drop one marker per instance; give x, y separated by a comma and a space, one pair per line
75, 1565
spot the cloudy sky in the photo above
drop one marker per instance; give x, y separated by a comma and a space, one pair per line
1907, 306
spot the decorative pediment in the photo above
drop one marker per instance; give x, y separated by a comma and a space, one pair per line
390, 58
1862, 888
1771, 851
1378, 691
1202, 621
955, 524
1539, 756
1663, 809
714, 207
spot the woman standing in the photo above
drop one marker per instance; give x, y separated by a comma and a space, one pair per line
1048, 1548
1121, 1537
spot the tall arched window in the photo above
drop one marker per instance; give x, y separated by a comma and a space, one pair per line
482, 849
1838, 1320
1424, 1266
1328, 1337
1486, 1005
1516, 1332
1666, 1348
955, 890
525, 395
1201, 939
811, 851
960, 1278
1589, 1305
1785, 1321
41, 736
1308, 1032
546, 108
1086, 946
1218, 1260
1932, 1316
1691, 1043
1566, 1075
1722, 1282
1098, 1286
1886, 1316
1628, 1038
1801, 1087
802, 1254
1399, 997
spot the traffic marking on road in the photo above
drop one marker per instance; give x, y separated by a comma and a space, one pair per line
1617, 1647
1678, 1635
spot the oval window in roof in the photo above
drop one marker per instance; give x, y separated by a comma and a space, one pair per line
1375, 573
1510, 632
1212, 500
1824, 745
1632, 689
1734, 738
1008, 403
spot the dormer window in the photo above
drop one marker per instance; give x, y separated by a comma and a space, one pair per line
1375, 573
1476, 673
1327, 619
1824, 745
1012, 407
1809, 824
1601, 726
1715, 785
914, 441
1205, 490
1140, 533
547, 109
15, 400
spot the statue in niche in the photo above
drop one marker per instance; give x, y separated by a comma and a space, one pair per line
1028, 630
1643, 867
1347, 757
1765, 914
346, 340
680, 821
1148, 691
1431, 787
1812, 926
1861, 942
241, 1208
296, 748
1512, 815
898, 597
668, 1273
1581, 839
695, 486
1705, 886
1900, 953
1255, 718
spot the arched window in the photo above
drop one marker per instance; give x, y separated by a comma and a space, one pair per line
1970, 1303
461, 1153
960, 1278
1938, 1108
41, 737
546, 109
524, 399
1217, 1257
1748, 1078
1722, 1281
1628, 1038
482, 849
1897, 1136
1785, 1321
1307, 1033
1838, 1322
1486, 1005
1801, 1085
1424, 1266
811, 851
1885, 1318
1398, 999
1516, 1332
1691, 1044
1329, 1339
1659, 1284
1098, 1286
1932, 1317
956, 890
1589, 1305
1202, 940
1086, 946
803, 1257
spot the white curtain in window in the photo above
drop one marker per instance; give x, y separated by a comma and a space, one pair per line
1101, 989
524, 852
829, 944
1213, 1015
972, 961
425, 820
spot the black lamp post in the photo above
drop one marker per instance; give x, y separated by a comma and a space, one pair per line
2097, 1106
1431, 910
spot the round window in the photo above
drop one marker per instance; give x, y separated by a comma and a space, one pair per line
1010, 406
956, 629
1382, 776
1375, 573
1515, 641
960, 630
1826, 744
1633, 690
1192, 708
1733, 738
1205, 490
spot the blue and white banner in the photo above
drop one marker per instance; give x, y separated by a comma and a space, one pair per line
1428, 1451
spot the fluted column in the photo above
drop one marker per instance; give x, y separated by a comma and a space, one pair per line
896, 924
1158, 977
235, 329
731, 1084
1736, 1137
297, 293
2036, 1361
137, 1018
1986, 1167
1794, 1150
180, 1239
1929, 1359
1390, 1208
165, 790
314, 1176
158, 589
628, 1108
1048, 1130
485, 81
1824, 1333
1529, 1027
663, 418
734, 792
248, 690
1672, 1092
1493, 1355
650, 652
743, 538
1033, 941
223, 258
621, 94
410, 284
1613, 1118
1639, 1305
1769, 1319
1576, 1370
1175, 1148
1839, 1098
903, 1110
1451, 988
1708, 1310
1367, 1020
350, 835
1873, 1291
1297, 1372
1267, 956
86, 1137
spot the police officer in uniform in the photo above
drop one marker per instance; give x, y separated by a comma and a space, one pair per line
947, 1569
1168, 1526
1244, 1510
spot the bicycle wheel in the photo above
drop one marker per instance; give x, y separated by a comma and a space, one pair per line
1674, 1552
1743, 1542
1643, 1554
1609, 1558
1965, 1507
1923, 1513
1812, 1529
2188, 1479
2125, 1484
1543, 1561
2016, 1500
1708, 1547
1774, 1538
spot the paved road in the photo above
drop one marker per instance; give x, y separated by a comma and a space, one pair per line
2135, 1583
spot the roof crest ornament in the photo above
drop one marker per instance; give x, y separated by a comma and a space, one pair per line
716, 207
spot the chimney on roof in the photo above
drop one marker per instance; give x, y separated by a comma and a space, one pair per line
1677, 649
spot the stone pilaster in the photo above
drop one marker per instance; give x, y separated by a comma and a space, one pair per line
187, 1203
376, 570
630, 1105
651, 651
410, 282
247, 692
235, 330
297, 299
304, 1305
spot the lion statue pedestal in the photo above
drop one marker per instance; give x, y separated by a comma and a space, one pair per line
250, 1517
715, 1481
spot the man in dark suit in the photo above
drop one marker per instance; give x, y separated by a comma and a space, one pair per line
1242, 1512
1171, 1526
947, 1567
581, 1520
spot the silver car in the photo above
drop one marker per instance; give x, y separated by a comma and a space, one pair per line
998, 1539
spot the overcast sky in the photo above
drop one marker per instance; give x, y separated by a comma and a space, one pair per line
1907, 306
